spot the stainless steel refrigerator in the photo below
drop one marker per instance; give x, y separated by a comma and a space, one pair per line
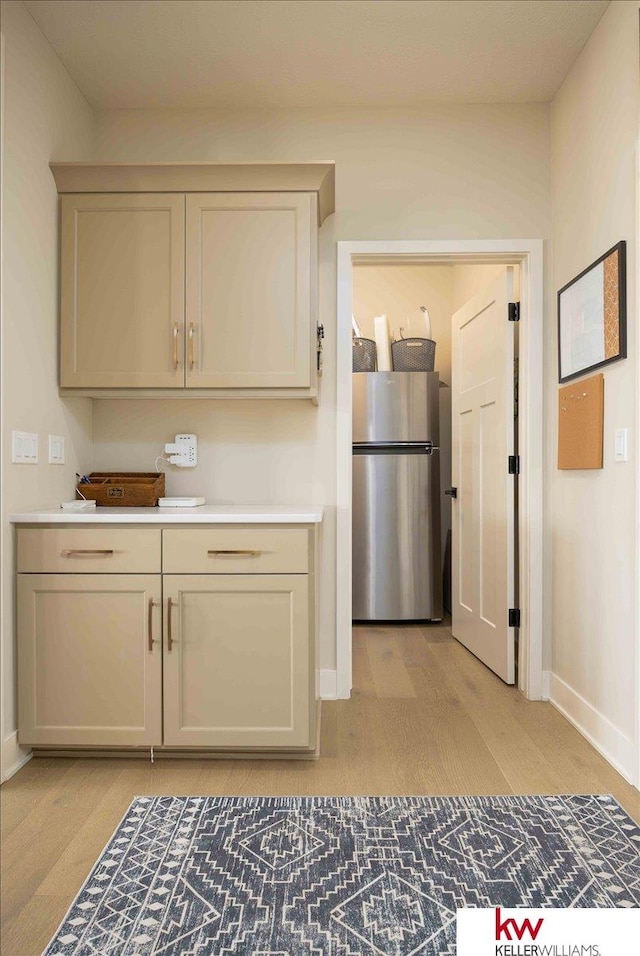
397, 572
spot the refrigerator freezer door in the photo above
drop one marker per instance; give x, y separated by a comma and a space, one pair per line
396, 407
397, 573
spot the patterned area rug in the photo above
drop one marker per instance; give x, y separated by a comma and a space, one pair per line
287, 876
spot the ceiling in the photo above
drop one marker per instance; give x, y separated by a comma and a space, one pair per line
238, 54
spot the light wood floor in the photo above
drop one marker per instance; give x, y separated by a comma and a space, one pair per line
425, 718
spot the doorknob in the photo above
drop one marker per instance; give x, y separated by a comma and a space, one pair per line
452, 492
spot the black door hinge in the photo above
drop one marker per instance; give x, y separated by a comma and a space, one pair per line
514, 312
514, 464
514, 617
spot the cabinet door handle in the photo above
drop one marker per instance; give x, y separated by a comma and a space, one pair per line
176, 331
192, 357
70, 552
235, 552
170, 641
152, 604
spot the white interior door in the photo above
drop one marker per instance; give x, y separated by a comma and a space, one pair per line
483, 436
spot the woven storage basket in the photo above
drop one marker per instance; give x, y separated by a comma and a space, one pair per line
413, 355
365, 355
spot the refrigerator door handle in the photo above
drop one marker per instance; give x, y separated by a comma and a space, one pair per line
395, 448
395, 444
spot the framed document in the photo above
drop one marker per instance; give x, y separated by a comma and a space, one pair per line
592, 316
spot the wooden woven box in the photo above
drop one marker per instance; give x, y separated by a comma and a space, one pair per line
124, 489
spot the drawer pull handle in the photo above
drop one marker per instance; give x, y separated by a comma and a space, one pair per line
152, 604
170, 641
242, 553
70, 552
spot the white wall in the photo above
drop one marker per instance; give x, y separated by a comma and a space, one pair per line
471, 278
443, 172
45, 117
593, 513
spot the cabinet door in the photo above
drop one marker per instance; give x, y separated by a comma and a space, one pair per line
88, 671
249, 290
122, 291
237, 661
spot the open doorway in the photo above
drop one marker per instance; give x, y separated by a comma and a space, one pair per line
369, 269
412, 305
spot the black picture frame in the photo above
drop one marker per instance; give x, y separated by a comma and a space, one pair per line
592, 316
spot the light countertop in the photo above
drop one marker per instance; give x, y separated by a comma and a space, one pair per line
203, 514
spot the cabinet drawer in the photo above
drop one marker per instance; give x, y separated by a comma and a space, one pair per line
89, 550
236, 551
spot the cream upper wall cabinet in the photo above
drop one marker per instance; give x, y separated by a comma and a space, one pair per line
234, 246
251, 282
122, 291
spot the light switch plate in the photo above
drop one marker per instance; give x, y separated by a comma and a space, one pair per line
24, 448
56, 450
622, 444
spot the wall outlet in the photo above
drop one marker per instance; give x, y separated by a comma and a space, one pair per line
190, 453
56, 450
183, 452
24, 448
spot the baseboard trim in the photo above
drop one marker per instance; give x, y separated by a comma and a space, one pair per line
546, 685
608, 740
13, 756
328, 684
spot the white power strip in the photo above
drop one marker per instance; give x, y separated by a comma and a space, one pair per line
183, 452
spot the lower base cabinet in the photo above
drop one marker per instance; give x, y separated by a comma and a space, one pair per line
88, 671
201, 661
236, 663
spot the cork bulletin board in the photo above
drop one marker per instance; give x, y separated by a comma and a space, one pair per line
581, 424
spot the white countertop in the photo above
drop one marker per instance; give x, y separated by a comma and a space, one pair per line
203, 514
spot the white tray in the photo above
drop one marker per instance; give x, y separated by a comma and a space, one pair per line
180, 502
